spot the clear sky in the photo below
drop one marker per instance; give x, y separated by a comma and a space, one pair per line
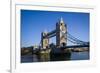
34, 22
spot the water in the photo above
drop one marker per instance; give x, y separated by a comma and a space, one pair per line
80, 56
56, 57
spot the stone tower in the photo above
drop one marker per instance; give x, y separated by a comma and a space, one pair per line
45, 40
61, 33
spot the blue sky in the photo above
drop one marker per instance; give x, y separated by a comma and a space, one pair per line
34, 22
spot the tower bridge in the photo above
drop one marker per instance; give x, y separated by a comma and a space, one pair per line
62, 36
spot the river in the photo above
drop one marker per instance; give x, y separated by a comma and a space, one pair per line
47, 57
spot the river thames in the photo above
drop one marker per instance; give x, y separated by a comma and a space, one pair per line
46, 58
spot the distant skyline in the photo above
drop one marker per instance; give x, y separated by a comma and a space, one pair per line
33, 22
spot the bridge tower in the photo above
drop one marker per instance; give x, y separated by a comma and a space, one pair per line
44, 40
61, 33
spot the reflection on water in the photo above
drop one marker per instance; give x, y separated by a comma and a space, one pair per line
55, 57
26, 58
80, 56
44, 57
60, 57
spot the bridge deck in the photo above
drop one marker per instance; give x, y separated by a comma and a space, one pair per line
75, 46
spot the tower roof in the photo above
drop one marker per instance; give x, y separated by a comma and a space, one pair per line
61, 20
45, 31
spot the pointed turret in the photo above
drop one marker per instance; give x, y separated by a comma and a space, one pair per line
61, 20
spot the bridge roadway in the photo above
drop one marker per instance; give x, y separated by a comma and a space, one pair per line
59, 50
75, 46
